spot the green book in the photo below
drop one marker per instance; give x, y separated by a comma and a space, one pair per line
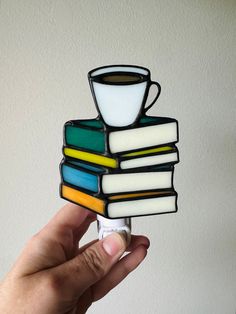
91, 135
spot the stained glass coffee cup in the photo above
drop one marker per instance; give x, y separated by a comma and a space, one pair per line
120, 93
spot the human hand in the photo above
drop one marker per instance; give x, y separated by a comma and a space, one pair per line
53, 275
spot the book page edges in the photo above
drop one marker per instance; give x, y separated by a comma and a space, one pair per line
140, 181
148, 136
142, 207
149, 161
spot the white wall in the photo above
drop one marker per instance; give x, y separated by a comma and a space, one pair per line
46, 49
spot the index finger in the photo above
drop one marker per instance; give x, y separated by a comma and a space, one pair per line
62, 232
71, 219
70, 216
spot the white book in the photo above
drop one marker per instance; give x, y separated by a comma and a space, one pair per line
142, 207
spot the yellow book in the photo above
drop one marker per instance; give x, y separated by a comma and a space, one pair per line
146, 157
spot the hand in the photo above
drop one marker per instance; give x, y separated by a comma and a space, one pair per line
53, 275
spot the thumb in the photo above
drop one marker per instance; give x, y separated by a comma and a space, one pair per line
92, 264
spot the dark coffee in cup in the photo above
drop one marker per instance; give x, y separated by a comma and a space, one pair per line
120, 78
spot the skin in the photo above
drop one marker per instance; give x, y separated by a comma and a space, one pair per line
54, 274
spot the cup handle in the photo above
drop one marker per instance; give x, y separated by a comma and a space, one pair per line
157, 95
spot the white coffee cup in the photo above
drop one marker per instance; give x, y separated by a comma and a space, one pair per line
120, 93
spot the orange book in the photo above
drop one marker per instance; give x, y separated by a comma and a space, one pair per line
122, 205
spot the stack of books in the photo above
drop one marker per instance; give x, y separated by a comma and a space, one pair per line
120, 172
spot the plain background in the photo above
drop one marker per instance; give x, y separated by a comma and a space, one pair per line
46, 49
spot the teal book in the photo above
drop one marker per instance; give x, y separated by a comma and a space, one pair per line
101, 180
93, 136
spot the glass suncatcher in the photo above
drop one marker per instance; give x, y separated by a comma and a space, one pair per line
120, 164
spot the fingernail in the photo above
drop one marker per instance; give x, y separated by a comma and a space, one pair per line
114, 244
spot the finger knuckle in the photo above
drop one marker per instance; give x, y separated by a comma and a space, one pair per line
34, 238
53, 284
94, 262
